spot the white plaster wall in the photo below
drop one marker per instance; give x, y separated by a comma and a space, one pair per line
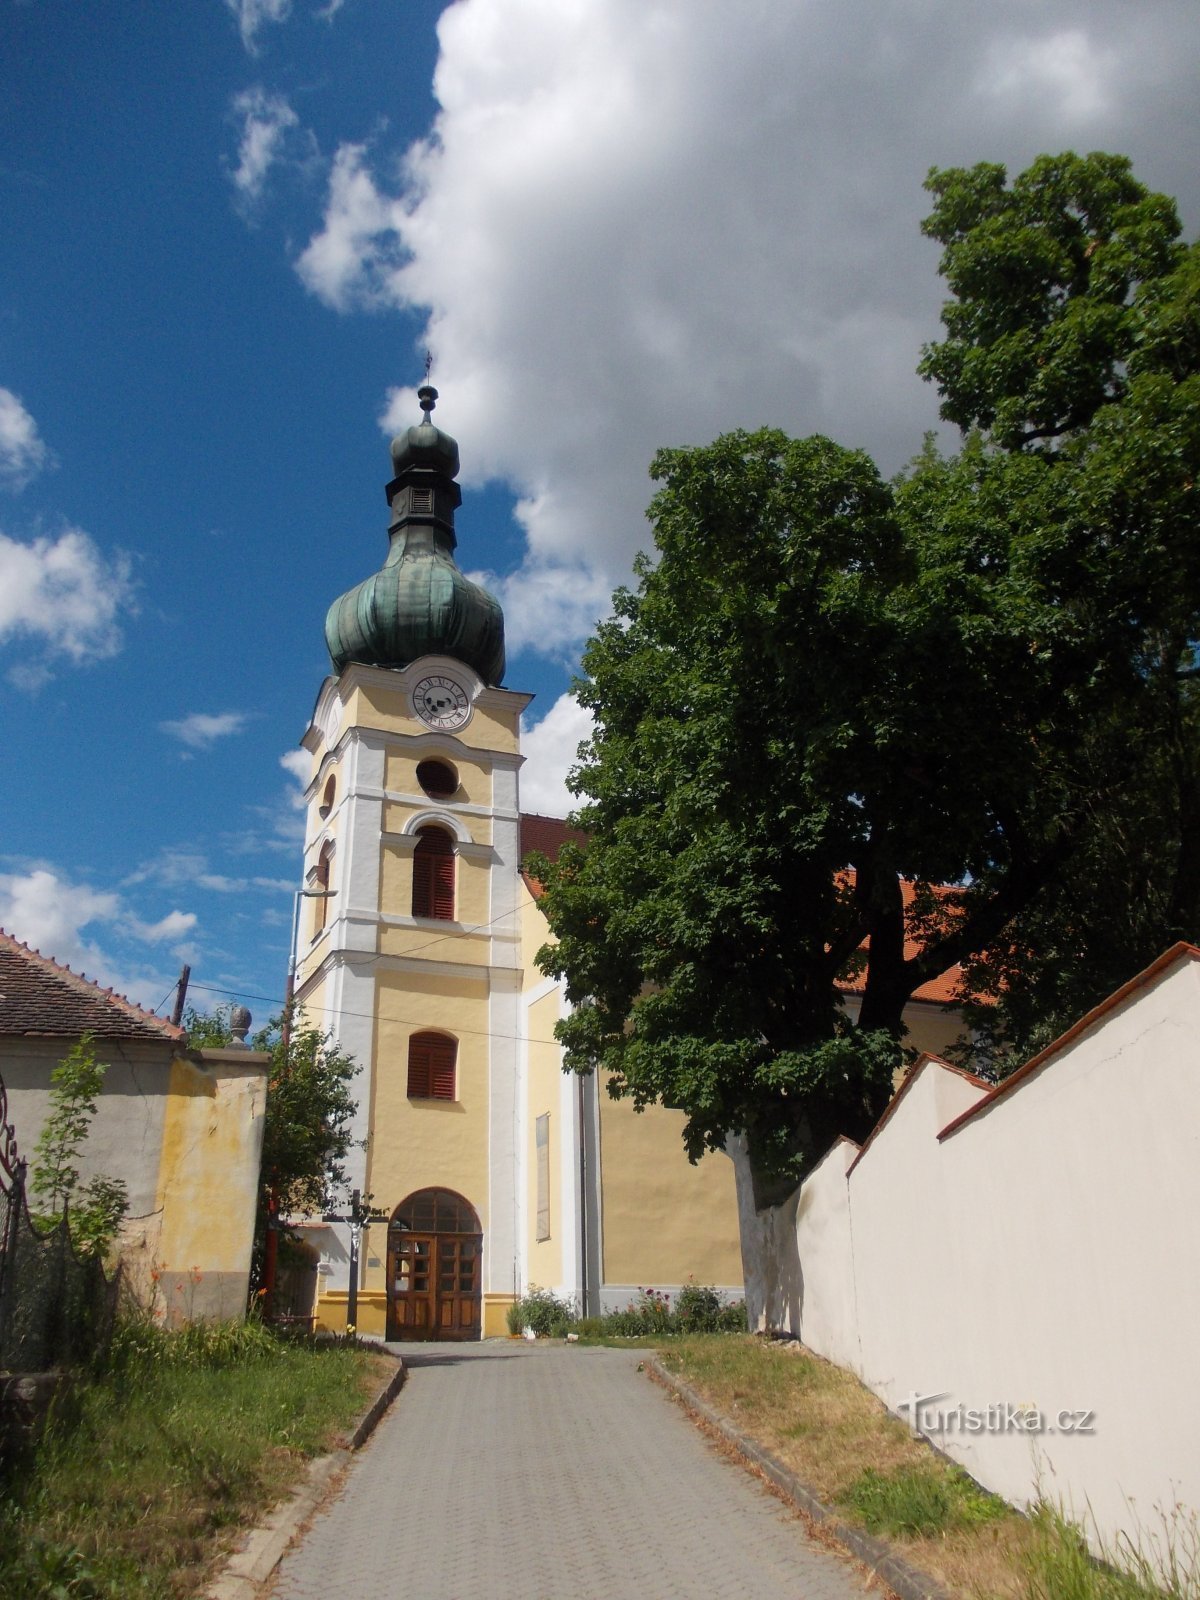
125, 1138
1043, 1253
905, 1239
825, 1246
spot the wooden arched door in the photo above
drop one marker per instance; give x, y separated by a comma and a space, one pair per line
434, 1267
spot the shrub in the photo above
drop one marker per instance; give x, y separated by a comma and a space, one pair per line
544, 1313
699, 1309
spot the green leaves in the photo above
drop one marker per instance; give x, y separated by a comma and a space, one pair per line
95, 1208
1050, 277
310, 1112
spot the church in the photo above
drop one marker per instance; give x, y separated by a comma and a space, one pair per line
493, 1169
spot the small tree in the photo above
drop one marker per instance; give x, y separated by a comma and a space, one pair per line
93, 1209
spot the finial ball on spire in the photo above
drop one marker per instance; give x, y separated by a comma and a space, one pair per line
427, 395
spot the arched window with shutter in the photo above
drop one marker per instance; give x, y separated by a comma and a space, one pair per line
432, 1058
433, 874
322, 885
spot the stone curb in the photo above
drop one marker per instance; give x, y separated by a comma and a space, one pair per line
266, 1545
906, 1581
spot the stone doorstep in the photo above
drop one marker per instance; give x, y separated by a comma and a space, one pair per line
904, 1580
265, 1546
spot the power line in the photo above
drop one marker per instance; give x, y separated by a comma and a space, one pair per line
369, 1016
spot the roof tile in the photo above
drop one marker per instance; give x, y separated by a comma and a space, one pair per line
40, 996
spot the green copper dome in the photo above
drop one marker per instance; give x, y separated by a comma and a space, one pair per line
419, 603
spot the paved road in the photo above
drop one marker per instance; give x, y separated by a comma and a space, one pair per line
512, 1472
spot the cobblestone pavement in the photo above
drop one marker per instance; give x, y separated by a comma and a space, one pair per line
513, 1472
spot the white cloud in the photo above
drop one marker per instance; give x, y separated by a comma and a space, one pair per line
200, 731
550, 749
168, 929
64, 594
176, 867
23, 452
298, 765
547, 606
266, 120
253, 15
1066, 70
636, 224
49, 912
351, 262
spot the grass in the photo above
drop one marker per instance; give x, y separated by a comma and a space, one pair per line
840, 1440
919, 1502
146, 1474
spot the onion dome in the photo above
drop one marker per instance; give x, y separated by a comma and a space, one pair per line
419, 603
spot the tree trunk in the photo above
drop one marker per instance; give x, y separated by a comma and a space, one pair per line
770, 1262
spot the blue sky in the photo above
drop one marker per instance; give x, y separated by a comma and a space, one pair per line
232, 228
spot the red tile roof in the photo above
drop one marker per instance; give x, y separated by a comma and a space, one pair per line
942, 990
547, 835
39, 996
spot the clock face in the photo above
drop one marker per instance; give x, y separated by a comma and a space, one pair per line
441, 703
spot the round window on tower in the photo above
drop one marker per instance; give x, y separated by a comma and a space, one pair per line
438, 779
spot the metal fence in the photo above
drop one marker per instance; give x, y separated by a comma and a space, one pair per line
56, 1308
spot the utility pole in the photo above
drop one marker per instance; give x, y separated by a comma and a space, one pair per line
180, 996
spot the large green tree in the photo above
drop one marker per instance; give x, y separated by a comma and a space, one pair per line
1073, 355
824, 684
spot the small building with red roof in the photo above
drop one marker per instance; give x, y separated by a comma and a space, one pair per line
181, 1128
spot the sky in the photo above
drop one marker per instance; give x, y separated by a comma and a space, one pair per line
233, 228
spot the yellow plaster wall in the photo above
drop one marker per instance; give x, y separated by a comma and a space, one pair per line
471, 887
932, 1029
397, 815
208, 1184
388, 710
645, 1173
474, 775
436, 941
420, 1144
534, 932
313, 1005
545, 1086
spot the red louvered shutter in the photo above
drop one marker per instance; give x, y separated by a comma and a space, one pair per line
431, 1062
443, 888
433, 876
441, 1064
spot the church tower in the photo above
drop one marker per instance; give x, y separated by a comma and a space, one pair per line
495, 1170
409, 945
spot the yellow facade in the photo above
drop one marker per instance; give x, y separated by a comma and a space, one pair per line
208, 1184
428, 1143
544, 1094
645, 1174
